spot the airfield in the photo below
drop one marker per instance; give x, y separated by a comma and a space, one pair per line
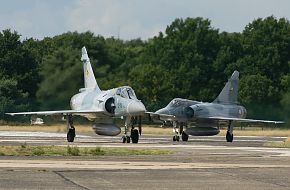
201, 163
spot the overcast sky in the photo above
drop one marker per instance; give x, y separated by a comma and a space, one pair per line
129, 18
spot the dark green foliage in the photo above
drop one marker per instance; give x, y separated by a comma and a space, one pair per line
18, 74
191, 59
62, 77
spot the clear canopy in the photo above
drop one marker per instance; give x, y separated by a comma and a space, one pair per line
126, 92
177, 102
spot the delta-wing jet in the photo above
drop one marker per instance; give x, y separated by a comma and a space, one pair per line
100, 107
206, 116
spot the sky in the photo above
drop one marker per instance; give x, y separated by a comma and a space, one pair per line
129, 19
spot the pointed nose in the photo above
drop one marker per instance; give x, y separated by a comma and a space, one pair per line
135, 108
162, 111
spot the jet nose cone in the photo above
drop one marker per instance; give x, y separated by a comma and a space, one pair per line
135, 108
162, 111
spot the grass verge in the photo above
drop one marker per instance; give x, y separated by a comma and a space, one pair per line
279, 144
25, 150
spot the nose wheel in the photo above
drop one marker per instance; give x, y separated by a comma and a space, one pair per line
175, 138
126, 139
178, 130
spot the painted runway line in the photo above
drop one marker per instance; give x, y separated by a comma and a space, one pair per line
117, 165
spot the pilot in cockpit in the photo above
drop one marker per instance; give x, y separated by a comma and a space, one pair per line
126, 92
175, 102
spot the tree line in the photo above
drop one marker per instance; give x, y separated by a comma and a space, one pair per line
190, 59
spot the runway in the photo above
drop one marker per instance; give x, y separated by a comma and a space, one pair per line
201, 163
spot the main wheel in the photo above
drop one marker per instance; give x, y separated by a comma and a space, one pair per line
135, 135
128, 139
229, 137
175, 138
71, 135
124, 139
184, 136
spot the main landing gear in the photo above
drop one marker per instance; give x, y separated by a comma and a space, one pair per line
70, 129
230, 135
184, 136
134, 133
178, 131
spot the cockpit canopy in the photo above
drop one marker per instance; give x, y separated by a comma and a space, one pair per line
126, 92
176, 102
181, 102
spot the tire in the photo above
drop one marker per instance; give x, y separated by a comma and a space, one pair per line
71, 135
184, 136
124, 139
128, 139
177, 138
174, 138
229, 137
135, 135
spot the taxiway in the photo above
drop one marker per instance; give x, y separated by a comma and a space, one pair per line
201, 163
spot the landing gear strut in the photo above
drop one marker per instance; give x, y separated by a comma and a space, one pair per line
70, 129
178, 130
175, 131
230, 135
126, 138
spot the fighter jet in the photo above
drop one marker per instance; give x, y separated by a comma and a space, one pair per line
100, 107
206, 116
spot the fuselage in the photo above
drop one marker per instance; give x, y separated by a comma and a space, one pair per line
189, 110
116, 102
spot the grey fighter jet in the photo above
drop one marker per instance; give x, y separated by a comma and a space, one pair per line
206, 116
100, 107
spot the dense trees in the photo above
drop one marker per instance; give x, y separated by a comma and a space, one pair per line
190, 59
18, 75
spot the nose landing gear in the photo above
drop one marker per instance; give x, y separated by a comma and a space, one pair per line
178, 129
134, 134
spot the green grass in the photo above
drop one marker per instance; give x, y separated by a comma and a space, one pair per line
25, 150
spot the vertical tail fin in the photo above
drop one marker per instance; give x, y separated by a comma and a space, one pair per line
229, 94
89, 77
